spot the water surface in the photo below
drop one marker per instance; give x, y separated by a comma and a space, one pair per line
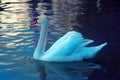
96, 19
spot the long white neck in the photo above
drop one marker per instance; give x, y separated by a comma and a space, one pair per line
42, 39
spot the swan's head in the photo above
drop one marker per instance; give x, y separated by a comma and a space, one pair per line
39, 20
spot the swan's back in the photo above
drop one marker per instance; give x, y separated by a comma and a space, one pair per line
63, 47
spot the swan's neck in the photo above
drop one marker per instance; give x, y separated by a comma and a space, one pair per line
42, 40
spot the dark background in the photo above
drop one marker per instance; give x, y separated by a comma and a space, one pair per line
105, 27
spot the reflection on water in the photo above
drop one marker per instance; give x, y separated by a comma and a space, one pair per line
18, 38
65, 71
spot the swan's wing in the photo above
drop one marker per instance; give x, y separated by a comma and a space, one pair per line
64, 46
90, 52
86, 52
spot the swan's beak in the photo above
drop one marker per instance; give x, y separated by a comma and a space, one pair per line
34, 21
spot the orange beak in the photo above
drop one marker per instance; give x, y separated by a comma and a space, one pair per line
34, 21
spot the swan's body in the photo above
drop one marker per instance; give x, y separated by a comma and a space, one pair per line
70, 47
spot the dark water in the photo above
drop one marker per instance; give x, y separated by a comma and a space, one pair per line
95, 19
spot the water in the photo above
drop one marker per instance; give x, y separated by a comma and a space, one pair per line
98, 20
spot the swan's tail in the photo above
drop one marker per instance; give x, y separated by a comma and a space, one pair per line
90, 52
101, 46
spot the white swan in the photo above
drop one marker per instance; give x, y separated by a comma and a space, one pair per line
70, 47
